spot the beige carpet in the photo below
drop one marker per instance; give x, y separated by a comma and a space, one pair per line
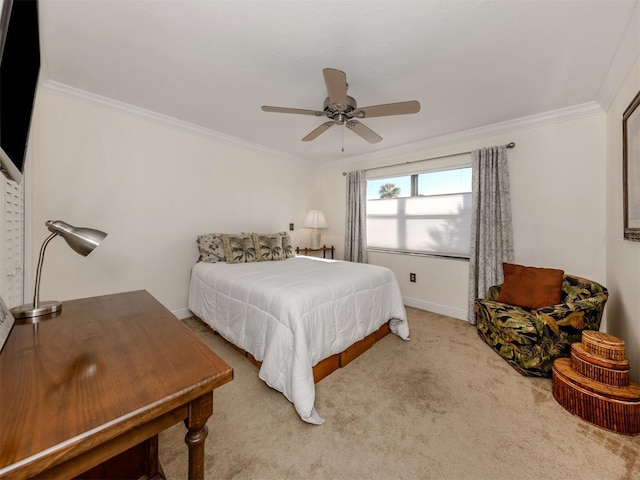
441, 406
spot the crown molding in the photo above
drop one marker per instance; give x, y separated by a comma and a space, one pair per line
532, 121
509, 126
627, 53
164, 120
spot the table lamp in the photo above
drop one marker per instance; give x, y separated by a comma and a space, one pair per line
81, 240
315, 219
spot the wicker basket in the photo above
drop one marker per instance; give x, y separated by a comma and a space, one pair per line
603, 344
613, 408
595, 367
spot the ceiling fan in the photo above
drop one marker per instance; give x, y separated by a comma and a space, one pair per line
342, 109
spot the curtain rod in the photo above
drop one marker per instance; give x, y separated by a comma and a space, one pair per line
508, 145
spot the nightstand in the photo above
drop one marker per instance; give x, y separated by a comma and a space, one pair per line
324, 249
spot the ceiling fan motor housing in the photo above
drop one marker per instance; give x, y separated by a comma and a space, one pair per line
340, 113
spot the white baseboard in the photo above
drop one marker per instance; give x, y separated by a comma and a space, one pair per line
435, 308
182, 313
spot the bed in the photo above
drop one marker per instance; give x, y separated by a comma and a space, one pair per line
290, 315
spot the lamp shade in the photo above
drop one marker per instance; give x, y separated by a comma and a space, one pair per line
81, 240
315, 219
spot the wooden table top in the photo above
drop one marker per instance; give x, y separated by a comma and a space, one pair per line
101, 366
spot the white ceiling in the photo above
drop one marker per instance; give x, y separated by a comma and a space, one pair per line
214, 63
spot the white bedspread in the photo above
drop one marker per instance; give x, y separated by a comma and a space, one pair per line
293, 313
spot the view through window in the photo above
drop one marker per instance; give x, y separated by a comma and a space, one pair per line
424, 213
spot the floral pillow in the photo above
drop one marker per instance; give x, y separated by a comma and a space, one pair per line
287, 246
211, 248
239, 248
268, 246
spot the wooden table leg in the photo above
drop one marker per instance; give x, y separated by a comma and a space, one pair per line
200, 410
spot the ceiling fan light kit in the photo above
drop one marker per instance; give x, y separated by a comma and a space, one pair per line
343, 110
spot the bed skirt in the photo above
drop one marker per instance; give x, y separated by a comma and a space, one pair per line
330, 364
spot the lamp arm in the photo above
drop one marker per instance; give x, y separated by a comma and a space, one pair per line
36, 290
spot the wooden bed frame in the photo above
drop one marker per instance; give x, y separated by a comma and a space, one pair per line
329, 364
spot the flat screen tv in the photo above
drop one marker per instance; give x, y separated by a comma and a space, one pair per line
19, 69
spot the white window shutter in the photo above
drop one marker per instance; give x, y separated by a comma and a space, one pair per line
13, 251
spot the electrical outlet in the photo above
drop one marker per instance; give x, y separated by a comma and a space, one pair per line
412, 277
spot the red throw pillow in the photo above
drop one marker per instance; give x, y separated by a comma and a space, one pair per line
530, 287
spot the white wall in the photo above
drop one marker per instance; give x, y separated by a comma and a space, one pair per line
152, 187
127, 176
623, 256
557, 190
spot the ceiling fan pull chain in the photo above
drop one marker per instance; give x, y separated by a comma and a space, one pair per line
343, 137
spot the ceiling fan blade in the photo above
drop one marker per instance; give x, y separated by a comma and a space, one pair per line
318, 131
336, 81
299, 111
400, 108
364, 131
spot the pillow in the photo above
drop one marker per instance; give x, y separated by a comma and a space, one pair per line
287, 246
211, 248
239, 248
530, 287
268, 246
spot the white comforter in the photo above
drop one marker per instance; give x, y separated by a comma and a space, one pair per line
291, 314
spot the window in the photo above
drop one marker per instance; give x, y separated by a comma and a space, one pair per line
425, 213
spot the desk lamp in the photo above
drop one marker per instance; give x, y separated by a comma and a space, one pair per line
81, 240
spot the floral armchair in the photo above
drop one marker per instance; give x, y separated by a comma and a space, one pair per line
531, 339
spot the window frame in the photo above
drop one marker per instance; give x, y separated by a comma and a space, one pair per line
414, 193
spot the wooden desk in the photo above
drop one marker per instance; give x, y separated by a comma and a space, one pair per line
105, 375
324, 249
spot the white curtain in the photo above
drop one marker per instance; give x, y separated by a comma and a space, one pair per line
355, 239
491, 227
